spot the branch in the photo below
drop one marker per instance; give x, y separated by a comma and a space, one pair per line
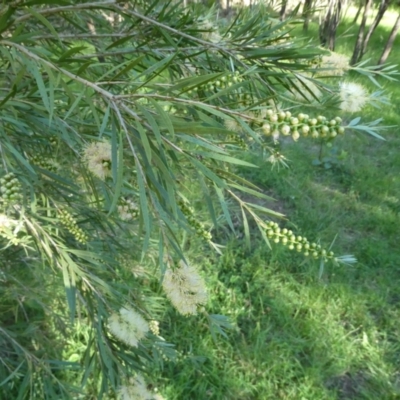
81, 36
109, 96
136, 50
178, 33
186, 101
84, 6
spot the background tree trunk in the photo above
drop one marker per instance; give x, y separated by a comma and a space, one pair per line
382, 9
389, 43
360, 7
307, 13
282, 13
360, 38
330, 22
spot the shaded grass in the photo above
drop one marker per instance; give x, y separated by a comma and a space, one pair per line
298, 336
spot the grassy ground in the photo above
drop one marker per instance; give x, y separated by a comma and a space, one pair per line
300, 336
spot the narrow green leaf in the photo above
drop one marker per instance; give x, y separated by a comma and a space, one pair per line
201, 130
211, 110
12, 375
130, 65
266, 210
40, 84
207, 172
224, 206
40, 2
250, 191
117, 165
193, 82
70, 290
52, 82
164, 117
226, 91
145, 214
18, 156
43, 20
144, 140
5, 20
74, 105
70, 52
120, 41
11, 94
246, 228
105, 121
354, 121
207, 197
250, 131
264, 236
93, 108
224, 158
151, 120
236, 178
157, 67
200, 142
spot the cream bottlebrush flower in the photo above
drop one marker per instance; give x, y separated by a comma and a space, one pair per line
210, 33
136, 390
128, 209
353, 97
334, 64
185, 288
157, 397
232, 125
5, 222
128, 326
97, 157
277, 158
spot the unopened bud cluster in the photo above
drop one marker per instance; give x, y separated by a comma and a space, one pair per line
37, 389
154, 327
239, 141
198, 226
53, 141
44, 163
70, 223
10, 189
221, 83
283, 123
298, 243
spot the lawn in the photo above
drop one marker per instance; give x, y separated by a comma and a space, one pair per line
301, 333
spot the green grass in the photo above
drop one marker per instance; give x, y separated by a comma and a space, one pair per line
300, 336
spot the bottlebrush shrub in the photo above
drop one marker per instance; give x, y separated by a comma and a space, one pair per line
110, 113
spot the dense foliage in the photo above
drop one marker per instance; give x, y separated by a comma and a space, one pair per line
113, 116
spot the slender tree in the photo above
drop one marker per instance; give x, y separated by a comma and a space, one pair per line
389, 43
282, 12
360, 37
308, 4
382, 9
360, 7
330, 22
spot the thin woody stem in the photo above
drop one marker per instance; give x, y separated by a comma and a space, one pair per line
55, 10
77, 78
186, 101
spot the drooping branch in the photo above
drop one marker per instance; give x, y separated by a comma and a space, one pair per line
61, 9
